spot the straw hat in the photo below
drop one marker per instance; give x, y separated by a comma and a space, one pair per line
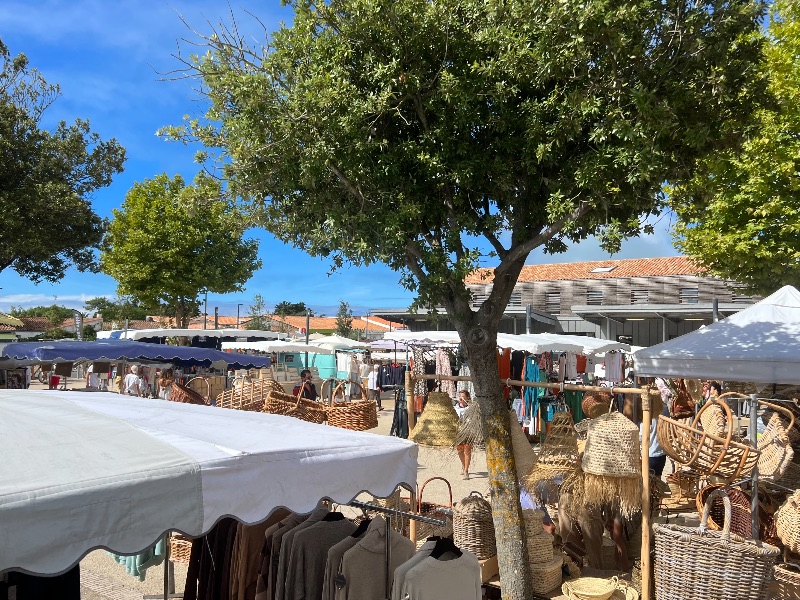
612, 463
524, 455
558, 456
438, 424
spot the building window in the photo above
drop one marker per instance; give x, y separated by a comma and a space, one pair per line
552, 302
516, 299
741, 299
689, 295
594, 297
602, 269
640, 296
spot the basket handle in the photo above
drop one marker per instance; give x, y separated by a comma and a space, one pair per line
728, 417
341, 387
786, 411
427, 481
726, 528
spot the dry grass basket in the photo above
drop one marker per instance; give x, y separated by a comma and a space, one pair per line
595, 404
180, 548
249, 396
787, 522
281, 403
704, 452
436, 511
546, 577
473, 528
590, 588
438, 423
695, 563
787, 577
358, 415
184, 395
540, 543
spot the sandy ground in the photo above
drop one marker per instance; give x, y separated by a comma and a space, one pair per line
102, 578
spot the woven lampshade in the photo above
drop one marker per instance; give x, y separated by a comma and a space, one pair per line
471, 428
612, 463
438, 424
524, 455
558, 456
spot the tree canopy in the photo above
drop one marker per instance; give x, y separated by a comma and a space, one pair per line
344, 319
47, 179
421, 133
285, 308
256, 312
117, 309
740, 216
169, 242
54, 313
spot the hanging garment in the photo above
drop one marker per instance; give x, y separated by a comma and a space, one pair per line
207, 573
571, 366
335, 555
443, 368
400, 418
289, 523
342, 363
286, 551
384, 377
456, 579
138, 564
420, 387
580, 363
466, 385
246, 559
306, 571
613, 364
400, 572
532, 395
61, 587
264, 561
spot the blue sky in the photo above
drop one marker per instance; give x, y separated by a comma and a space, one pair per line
110, 59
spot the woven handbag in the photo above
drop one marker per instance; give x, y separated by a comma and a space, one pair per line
695, 563
741, 513
787, 522
595, 404
356, 416
775, 444
473, 528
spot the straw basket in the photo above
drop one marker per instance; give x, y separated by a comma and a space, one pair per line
356, 416
791, 477
787, 576
180, 548
694, 564
775, 444
540, 543
558, 455
281, 403
704, 452
201, 386
249, 396
473, 528
682, 405
741, 513
595, 404
590, 588
438, 423
546, 577
184, 395
429, 509
787, 522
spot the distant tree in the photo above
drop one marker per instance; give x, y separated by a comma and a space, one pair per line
288, 309
47, 179
344, 319
57, 333
118, 309
169, 242
739, 217
55, 314
89, 332
256, 312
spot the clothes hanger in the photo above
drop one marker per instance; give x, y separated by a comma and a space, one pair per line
362, 528
333, 516
443, 546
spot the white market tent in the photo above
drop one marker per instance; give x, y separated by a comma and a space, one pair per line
85, 471
138, 334
759, 344
337, 342
275, 346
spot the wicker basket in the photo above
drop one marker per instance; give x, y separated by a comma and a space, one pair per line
787, 522
693, 564
180, 548
429, 509
473, 528
249, 396
357, 416
590, 588
741, 513
682, 405
201, 386
704, 452
281, 403
775, 444
540, 543
595, 404
787, 576
546, 577
179, 393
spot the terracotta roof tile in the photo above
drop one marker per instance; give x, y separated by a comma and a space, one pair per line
624, 268
34, 324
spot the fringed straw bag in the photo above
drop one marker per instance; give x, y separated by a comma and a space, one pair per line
471, 428
438, 423
473, 528
558, 456
787, 522
612, 463
693, 564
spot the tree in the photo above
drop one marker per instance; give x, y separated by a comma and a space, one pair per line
286, 308
433, 135
344, 319
256, 313
169, 242
116, 310
47, 179
54, 313
89, 333
740, 216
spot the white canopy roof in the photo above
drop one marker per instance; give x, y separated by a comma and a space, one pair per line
535, 343
759, 344
337, 342
138, 334
275, 346
84, 471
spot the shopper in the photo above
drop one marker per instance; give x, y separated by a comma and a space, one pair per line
374, 388
92, 380
464, 450
132, 384
306, 388
165, 383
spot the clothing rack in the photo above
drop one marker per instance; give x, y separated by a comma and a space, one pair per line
390, 512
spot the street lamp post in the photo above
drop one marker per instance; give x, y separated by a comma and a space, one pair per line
205, 311
238, 306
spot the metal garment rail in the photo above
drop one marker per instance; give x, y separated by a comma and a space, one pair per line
397, 513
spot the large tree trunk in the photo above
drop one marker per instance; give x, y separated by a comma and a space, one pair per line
480, 342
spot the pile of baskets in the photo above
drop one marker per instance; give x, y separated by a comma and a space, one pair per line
545, 564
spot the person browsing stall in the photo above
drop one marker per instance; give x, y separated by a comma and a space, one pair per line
306, 388
464, 450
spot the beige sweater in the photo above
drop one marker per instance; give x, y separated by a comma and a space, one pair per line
431, 579
335, 558
400, 572
246, 556
364, 565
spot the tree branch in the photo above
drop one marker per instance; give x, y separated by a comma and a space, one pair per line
349, 186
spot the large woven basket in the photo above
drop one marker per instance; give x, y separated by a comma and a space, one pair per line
704, 452
281, 403
540, 543
787, 522
473, 528
438, 423
787, 576
201, 386
357, 416
249, 395
437, 511
741, 513
180, 548
179, 393
695, 564
546, 577
775, 444
590, 588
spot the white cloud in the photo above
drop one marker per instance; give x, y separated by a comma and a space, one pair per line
75, 301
